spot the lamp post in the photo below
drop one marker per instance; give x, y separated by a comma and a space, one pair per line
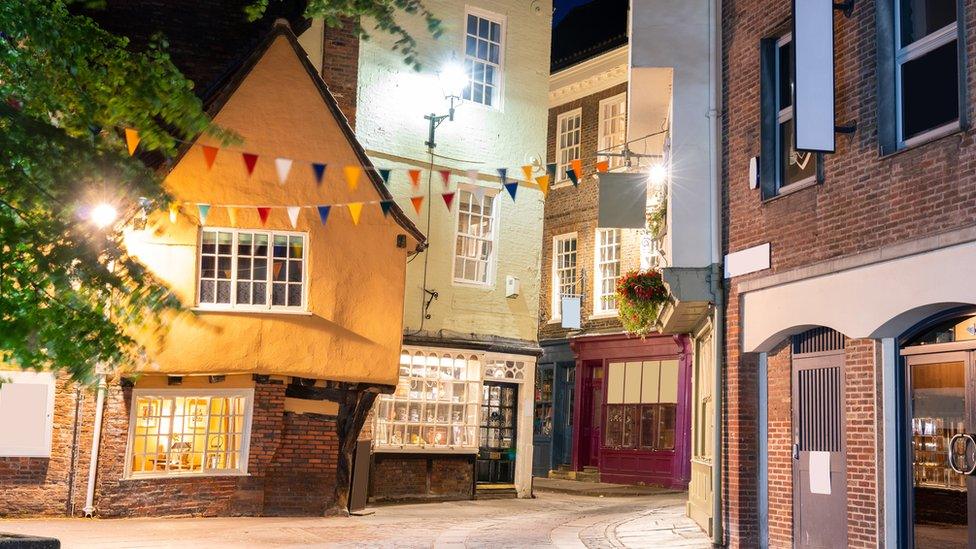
453, 80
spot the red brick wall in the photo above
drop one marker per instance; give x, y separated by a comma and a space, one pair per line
340, 67
780, 446
301, 480
862, 356
421, 477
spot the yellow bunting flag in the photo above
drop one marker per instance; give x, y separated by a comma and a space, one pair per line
417, 201
355, 209
352, 176
232, 215
527, 170
132, 140
577, 166
543, 182
174, 210
602, 166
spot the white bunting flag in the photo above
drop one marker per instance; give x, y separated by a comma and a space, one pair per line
293, 212
479, 193
473, 177
284, 166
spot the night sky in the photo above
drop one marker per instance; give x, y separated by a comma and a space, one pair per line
562, 7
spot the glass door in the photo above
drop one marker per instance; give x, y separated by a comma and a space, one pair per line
941, 405
496, 456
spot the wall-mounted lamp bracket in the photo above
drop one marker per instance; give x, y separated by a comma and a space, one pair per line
847, 129
847, 7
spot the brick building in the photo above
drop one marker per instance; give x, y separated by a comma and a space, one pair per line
849, 282
252, 403
587, 422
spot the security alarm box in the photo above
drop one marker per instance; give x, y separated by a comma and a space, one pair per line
512, 286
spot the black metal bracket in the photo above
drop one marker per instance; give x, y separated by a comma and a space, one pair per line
847, 7
847, 129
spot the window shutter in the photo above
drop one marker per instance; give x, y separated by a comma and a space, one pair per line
887, 115
767, 110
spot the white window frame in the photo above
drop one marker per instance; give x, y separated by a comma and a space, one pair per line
784, 115
605, 139
244, 457
501, 20
598, 279
267, 307
493, 257
916, 49
556, 301
561, 167
34, 378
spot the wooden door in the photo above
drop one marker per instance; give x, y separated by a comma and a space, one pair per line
562, 433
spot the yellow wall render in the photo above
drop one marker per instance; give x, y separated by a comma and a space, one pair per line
352, 329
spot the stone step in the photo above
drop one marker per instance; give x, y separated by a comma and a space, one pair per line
495, 492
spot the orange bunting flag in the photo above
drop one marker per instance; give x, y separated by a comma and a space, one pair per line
446, 176
543, 182
352, 176
131, 140
448, 200
602, 166
174, 210
527, 170
577, 166
293, 212
418, 202
232, 215
250, 160
355, 209
264, 212
209, 155
414, 177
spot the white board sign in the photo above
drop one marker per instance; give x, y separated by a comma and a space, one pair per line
813, 75
820, 473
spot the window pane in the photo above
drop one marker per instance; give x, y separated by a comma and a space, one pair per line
649, 419
785, 75
930, 90
919, 18
278, 294
665, 427
794, 166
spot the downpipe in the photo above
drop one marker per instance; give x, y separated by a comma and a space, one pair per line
717, 272
89, 508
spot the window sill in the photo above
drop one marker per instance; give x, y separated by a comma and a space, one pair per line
604, 315
791, 189
252, 311
473, 285
931, 136
158, 476
406, 449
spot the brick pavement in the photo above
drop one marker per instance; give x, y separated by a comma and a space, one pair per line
550, 520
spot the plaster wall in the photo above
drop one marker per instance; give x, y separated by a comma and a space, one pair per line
392, 102
669, 56
355, 274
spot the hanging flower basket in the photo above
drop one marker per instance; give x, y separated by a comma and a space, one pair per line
640, 295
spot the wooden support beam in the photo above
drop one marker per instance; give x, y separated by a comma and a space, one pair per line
353, 410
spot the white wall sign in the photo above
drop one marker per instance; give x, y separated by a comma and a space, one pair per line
820, 473
813, 75
26, 413
571, 312
747, 261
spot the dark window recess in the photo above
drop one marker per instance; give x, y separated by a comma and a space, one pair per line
640, 426
785, 84
919, 18
930, 91
795, 166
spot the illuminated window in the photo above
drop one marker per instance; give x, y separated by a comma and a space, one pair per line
483, 54
613, 127
475, 240
607, 270
435, 404
641, 405
568, 138
185, 432
251, 270
563, 271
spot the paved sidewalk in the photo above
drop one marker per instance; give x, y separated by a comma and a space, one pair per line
550, 520
595, 489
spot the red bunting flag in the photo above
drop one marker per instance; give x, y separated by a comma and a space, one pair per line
602, 166
249, 161
448, 199
417, 201
209, 155
263, 213
414, 177
446, 176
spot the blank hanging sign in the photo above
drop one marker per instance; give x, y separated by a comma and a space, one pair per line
623, 201
813, 75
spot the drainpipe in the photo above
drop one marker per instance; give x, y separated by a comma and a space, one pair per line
718, 292
89, 508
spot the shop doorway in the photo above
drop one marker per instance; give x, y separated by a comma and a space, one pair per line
499, 413
591, 414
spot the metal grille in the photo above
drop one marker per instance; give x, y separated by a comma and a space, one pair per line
820, 409
818, 340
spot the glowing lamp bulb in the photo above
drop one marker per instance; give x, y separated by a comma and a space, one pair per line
658, 174
453, 79
103, 215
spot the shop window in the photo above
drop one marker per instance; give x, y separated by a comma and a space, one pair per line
250, 270
504, 370
564, 271
783, 167
542, 422
641, 405
435, 404
176, 432
475, 239
26, 414
613, 127
607, 271
568, 137
483, 53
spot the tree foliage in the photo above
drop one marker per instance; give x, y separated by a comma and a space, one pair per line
67, 87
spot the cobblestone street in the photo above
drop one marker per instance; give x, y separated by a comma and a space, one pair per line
550, 520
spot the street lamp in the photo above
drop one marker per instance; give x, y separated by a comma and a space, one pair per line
453, 79
103, 215
658, 174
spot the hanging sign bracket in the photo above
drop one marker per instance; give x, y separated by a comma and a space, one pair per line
847, 7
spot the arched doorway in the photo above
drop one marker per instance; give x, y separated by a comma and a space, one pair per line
939, 401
